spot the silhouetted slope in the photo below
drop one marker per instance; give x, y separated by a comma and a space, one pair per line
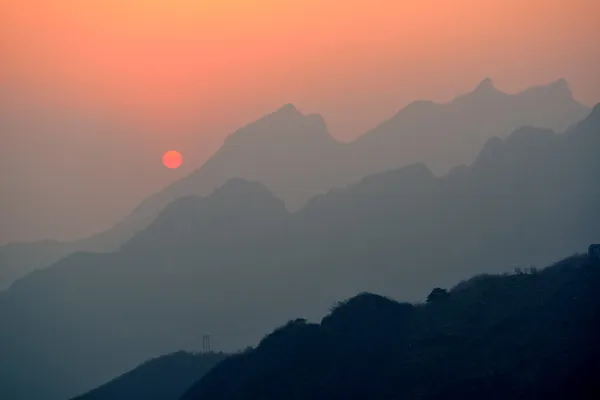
296, 158
18, 259
236, 262
498, 337
521, 194
166, 288
292, 154
230, 214
162, 378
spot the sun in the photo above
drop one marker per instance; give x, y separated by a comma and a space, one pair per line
172, 159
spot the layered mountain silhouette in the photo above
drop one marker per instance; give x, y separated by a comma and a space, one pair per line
236, 263
296, 158
527, 335
443, 136
162, 378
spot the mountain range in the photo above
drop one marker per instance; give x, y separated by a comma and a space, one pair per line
236, 262
296, 158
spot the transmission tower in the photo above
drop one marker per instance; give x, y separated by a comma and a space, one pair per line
206, 343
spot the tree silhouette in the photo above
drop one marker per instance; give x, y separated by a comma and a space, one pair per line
437, 294
594, 251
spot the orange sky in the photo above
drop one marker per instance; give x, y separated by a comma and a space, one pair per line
187, 72
169, 58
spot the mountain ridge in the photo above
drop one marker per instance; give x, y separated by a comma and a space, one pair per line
296, 158
387, 234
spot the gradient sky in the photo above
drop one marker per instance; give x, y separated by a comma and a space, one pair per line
184, 73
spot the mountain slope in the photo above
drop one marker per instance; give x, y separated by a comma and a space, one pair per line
159, 294
162, 378
287, 151
18, 259
296, 158
494, 337
237, 262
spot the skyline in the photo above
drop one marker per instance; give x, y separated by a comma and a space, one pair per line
165, 63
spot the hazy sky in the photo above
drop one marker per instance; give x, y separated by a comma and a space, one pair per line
125, 80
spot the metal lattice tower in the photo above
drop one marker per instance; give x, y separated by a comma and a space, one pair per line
206, 343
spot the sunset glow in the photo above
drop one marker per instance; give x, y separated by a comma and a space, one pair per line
185, 74
183, 58
368, 170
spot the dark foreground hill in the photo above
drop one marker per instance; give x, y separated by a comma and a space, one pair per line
531, 335
163, 378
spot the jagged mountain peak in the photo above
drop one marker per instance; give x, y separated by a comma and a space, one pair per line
287, 112
244, 197
237, 205
560, 83
521, 141
236, 193
559, 88
286, 123
484, 91
487, 84
287, 108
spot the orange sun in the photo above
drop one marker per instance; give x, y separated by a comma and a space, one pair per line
172, 159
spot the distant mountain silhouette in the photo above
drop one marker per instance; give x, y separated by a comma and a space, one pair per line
443, 136
162, 378
18, 259
235, 263
528, 335
231, 213
296, 158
